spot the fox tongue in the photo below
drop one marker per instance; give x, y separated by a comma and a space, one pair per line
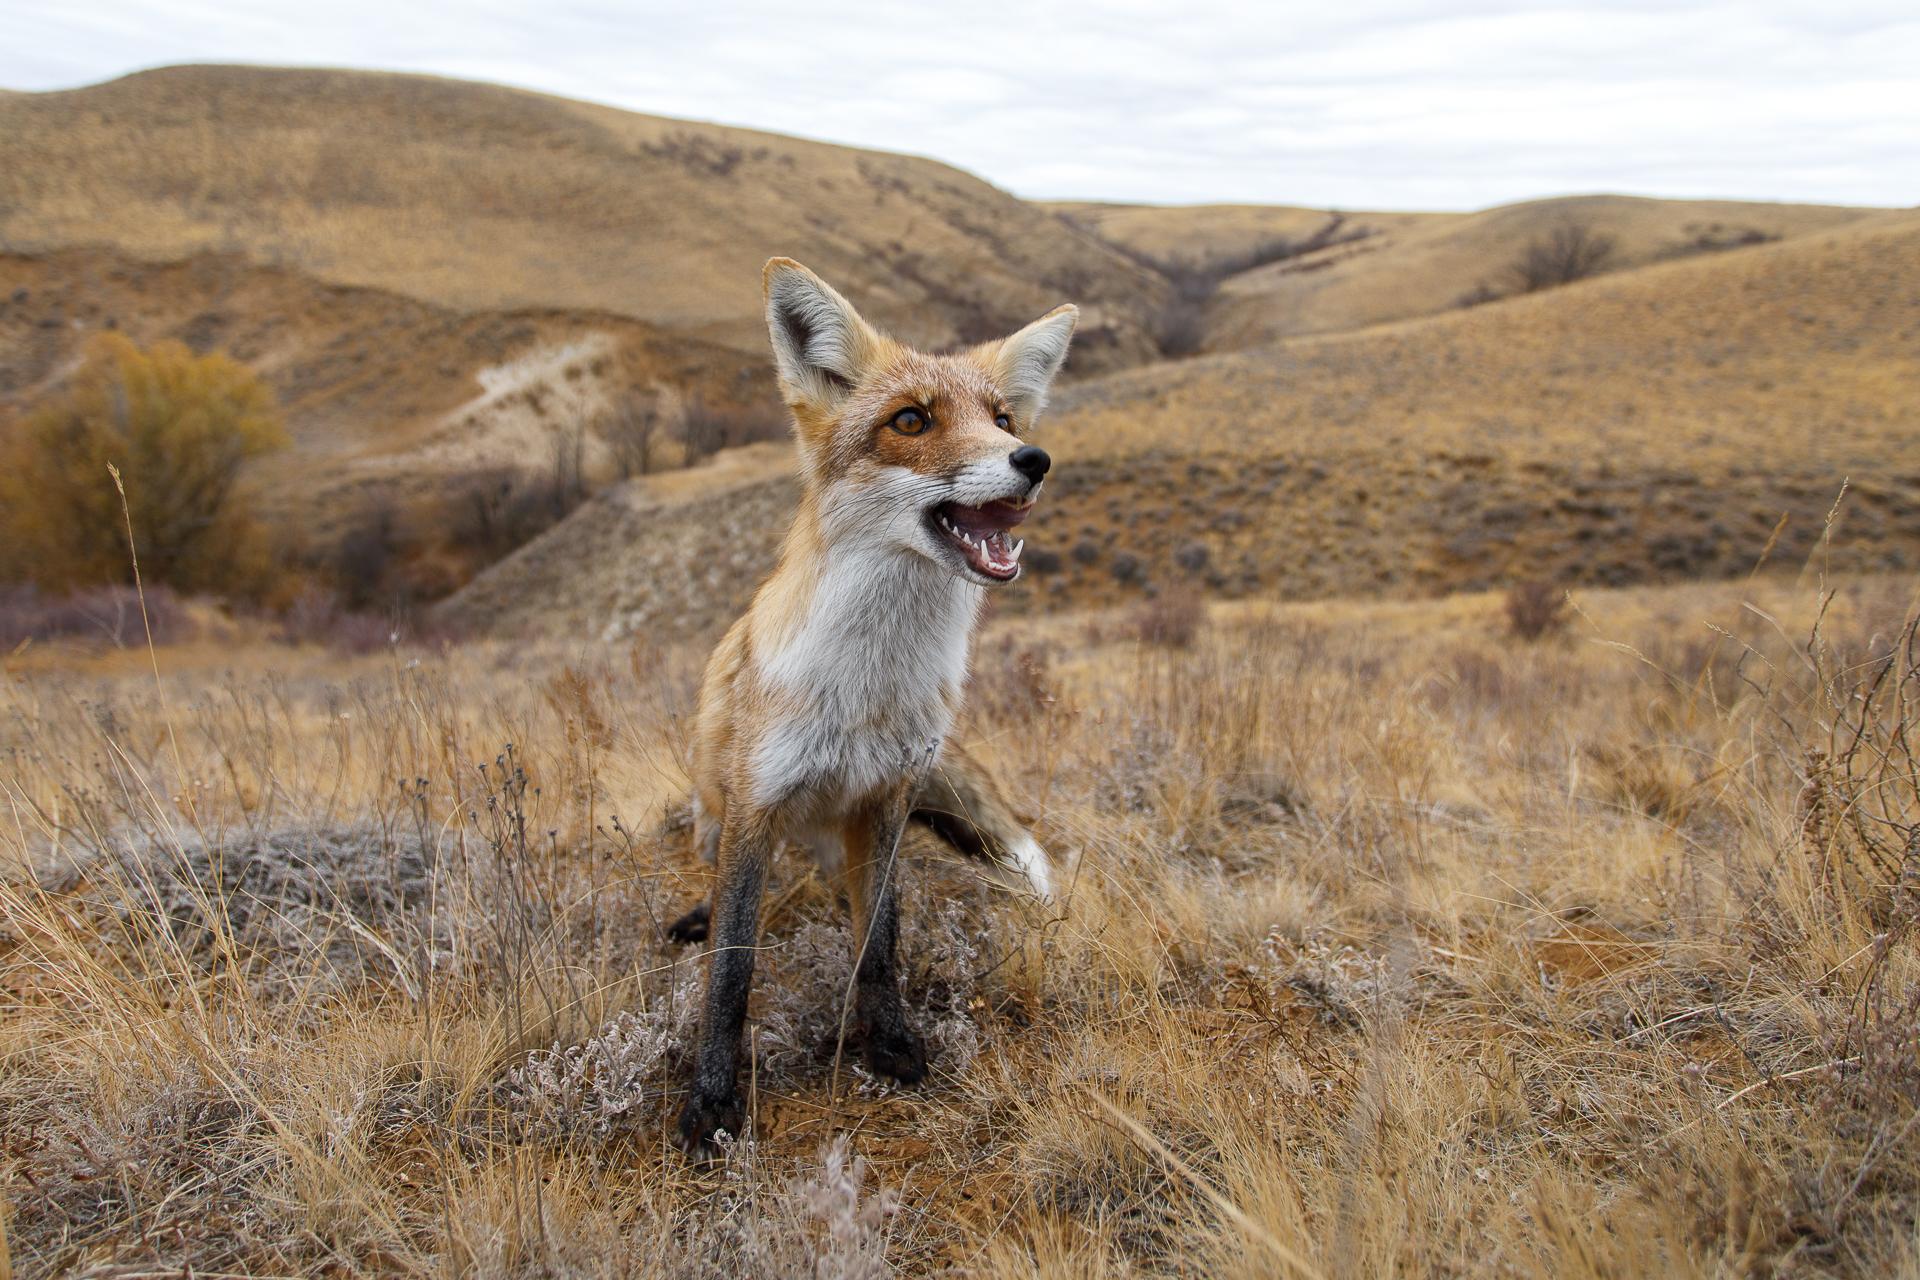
992, 518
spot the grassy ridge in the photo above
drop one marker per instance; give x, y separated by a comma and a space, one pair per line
480, 197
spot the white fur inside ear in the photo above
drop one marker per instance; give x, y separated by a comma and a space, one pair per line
818, 338
1029, 359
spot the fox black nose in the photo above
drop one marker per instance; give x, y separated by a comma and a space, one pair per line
1030, 461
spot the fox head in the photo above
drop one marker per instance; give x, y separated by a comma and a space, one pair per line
908, 452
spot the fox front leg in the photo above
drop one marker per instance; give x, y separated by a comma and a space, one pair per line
873, 844
713, 1101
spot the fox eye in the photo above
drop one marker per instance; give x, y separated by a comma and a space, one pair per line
1003, 422
910, 422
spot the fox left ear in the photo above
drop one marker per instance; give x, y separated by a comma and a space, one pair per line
1026, 363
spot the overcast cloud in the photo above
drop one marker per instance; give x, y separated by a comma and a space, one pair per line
1359, 104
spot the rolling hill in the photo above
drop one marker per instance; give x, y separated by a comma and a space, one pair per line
383, 394
442, 279
1655, 424
472, 196
1380, 267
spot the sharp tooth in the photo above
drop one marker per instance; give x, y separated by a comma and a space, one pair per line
1015, 556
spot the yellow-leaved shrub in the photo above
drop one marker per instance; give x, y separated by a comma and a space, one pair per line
180, 428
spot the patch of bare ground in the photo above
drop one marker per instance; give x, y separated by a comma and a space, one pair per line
1390, 943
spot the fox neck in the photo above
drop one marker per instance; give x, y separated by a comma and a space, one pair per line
864, 645
878, 608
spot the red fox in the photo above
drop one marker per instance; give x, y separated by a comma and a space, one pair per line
824, 713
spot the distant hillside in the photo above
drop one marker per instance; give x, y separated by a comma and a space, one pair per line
1379, 267
382, 393
1431, 265
1208, 235
473, 196
1651, 425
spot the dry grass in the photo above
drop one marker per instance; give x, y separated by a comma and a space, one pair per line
1391, 946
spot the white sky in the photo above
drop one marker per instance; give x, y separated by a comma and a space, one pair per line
1355, 103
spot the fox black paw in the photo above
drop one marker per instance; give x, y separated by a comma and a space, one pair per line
898, 1055
691, 927
702, 1118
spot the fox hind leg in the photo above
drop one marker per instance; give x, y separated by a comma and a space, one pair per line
692, 926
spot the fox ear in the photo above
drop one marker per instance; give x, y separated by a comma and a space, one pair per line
821, 346
1026, 363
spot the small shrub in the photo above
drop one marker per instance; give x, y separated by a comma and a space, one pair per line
500, 511
180, 428
366, 553
1572, 251
1535, 609
1087, 551
1171, 619
1478, 296
107, 614
1126, 567
1042, 561
706, 429
633, 433
317, 617
1193, 557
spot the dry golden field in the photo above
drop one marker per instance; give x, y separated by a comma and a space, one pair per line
1394, 945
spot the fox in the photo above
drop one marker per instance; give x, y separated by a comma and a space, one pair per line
824, 713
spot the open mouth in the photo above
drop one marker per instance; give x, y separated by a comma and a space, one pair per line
980, 535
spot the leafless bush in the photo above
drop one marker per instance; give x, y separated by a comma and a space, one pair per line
108, 615
497, 512
632, 432
318, 617
1572, 251
706, 429
366, 553
1715, 238
1171, 619
1478, 296
1535, 609
1862, 797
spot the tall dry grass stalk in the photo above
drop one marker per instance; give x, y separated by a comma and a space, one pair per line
1391, 946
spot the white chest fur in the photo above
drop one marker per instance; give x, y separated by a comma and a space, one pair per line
866, 681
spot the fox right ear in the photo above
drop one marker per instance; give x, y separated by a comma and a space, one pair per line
821, 346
